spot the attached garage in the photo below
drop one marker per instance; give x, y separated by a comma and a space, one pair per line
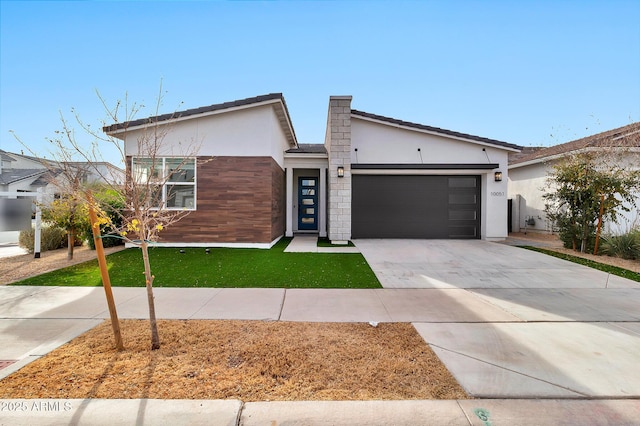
416, 206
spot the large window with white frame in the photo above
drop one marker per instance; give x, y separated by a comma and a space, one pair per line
172, 180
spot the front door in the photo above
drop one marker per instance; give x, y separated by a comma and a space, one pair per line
307, 204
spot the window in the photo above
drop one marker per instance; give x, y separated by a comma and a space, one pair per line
172, 180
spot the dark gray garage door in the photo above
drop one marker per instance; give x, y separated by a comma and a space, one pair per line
442, 207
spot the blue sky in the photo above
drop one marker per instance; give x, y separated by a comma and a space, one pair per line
524, 72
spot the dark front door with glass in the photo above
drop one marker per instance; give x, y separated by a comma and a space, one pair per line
307, 204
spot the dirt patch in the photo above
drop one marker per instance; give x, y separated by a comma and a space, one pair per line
631, 265
552, 242
246, 360
17, 268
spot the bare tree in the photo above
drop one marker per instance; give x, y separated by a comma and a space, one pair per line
68, 177
147, 187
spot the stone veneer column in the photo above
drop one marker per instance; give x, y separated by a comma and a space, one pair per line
338, 144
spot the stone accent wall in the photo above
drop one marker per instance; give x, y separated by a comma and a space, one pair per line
239, 200
338, 144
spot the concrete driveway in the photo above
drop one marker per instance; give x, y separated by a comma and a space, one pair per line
572, 331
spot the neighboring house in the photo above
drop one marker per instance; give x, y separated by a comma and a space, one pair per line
528, 173
23, 173
20, 173
250, 181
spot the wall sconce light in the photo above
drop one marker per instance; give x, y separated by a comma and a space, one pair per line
498, 176
340, 171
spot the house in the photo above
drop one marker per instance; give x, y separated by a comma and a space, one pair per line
21, 173
248, 181
528, 173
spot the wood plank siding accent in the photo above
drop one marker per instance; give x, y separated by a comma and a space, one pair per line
239, 200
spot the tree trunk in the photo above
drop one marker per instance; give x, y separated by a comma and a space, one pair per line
71, 239
104, 273
585, 237
155, 338
595, 249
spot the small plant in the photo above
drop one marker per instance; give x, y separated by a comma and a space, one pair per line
51, 238
111, 202
625, 246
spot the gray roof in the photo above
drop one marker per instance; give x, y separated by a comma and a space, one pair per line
46, 178
308, 148
622, 137
5, 157
28, 157
435, 129
11, 176
283, 116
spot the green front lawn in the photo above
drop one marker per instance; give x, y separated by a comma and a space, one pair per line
325, 242
221, 268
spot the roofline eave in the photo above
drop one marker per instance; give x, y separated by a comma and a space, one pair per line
306, 155
179, 118
549, 158
119, 132
435, 133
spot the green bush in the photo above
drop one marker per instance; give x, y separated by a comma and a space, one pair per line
626, 246
570, 233
51, 238
107, 240
112, 203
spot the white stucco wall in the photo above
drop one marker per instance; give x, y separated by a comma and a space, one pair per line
378, 143
527, 185
25, 163
251, 131
381, 143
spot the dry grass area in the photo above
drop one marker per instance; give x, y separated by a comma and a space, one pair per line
246, 360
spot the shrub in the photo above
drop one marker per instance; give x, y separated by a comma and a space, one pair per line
51, 238
571, 233
626, 246
112, 203
107, 240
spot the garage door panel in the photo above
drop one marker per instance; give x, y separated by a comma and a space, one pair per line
437, 207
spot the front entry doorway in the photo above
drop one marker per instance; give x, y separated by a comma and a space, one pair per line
307, 204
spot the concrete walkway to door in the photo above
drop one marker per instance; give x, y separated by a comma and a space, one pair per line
573, 331
309, 244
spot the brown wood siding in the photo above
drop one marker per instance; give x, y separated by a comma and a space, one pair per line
278, 200
239, 200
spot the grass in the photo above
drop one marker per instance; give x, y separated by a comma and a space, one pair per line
325, 242
615, 270
223, 267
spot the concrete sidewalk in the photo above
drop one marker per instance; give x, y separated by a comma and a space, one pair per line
11, 250
495, 412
